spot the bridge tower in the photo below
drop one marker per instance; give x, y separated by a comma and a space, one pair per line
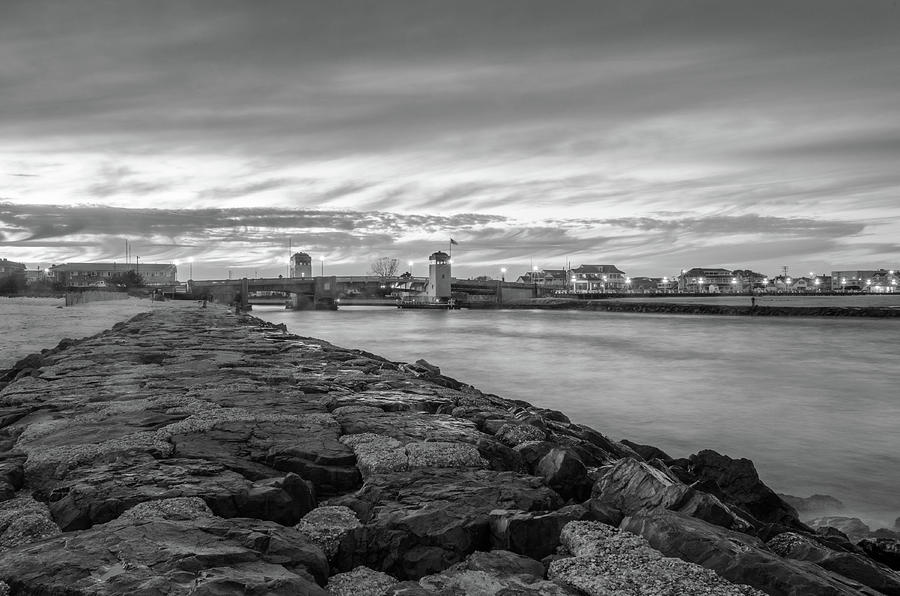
439, 276
301, 265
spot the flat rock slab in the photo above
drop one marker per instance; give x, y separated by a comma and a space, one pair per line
155, 555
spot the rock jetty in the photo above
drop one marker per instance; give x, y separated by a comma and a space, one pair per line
196, 451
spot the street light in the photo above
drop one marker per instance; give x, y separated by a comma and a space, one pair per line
410, 263
502, 273
700, 286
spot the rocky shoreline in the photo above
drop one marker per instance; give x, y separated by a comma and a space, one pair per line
659, 306
193, 450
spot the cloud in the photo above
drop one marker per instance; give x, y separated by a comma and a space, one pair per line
724, 225
633, 132
121, 180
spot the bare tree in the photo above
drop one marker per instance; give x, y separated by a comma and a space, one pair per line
385, 267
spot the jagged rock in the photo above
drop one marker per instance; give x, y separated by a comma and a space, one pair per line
607, 562
377, 454
145, 551
24, 520
500, 457
739, 482
795, 546
533, 534
516, 434
307, 446
93, 496
362, 581
326, 526
853, 527
813, 504
737, 557
883, 550
532, 452
497, 573
565, 473
631, 486
419, 522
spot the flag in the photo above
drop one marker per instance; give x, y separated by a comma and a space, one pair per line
452, 241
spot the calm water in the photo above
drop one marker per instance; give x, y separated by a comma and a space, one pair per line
813, 402
29, 325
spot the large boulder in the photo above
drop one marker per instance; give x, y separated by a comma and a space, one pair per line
631, 486
327, 526
857, 567
740, 484
361, 581
89, 496
422, 521
607, 561
737, 557
565, 473
534, 534
495, 573
853, 527
884, 550
161, 549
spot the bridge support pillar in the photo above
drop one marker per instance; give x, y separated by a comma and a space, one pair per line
245, 293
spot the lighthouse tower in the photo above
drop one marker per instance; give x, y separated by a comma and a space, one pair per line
439, 276
301, 265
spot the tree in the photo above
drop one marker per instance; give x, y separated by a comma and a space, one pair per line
385, 267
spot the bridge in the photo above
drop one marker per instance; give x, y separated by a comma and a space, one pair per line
322, 293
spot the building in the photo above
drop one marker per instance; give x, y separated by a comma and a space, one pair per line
100, 275
12, 276
35, 276
703, 280
645, 285
852, 281
547, 278
597, 278
301, 265
11, 269
749, 280
885, 282
439, 276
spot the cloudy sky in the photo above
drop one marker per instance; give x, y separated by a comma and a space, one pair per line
653, 135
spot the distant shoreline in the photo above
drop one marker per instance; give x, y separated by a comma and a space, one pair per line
686, 308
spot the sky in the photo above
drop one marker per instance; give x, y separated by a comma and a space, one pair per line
652, 135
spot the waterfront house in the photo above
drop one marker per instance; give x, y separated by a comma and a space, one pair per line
597, 278
852, 281
99, 275
546, 278
885, 282
708, 280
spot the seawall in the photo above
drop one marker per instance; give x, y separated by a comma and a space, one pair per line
192, 450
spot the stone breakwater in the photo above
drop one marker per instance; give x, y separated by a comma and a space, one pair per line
662, 307
196, 451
